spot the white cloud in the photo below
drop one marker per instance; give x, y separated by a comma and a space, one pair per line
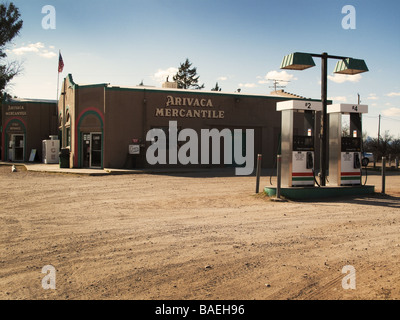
338, 99
222, 78
341, 78
391, 112
33, 47
276, 75
372, 96
393, 94
247, 85
38, 48
47, 54
161, 75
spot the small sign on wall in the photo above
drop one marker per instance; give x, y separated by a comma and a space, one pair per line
134, 149
33, 155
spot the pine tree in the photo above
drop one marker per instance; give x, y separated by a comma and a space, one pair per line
216, 88
186, 77
10, 26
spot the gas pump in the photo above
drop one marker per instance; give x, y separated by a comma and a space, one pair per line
298, 149
345, 151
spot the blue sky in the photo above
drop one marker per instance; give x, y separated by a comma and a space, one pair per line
239, 44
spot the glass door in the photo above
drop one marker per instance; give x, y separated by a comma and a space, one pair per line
96, 147
92, 150
18, 143
86, 150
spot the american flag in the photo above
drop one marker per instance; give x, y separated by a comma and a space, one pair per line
60, 63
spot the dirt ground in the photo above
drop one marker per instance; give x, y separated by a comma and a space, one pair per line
189, 237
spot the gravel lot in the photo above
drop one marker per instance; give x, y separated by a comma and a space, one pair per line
192, 236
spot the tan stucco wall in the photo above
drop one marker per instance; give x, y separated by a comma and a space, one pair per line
129, 113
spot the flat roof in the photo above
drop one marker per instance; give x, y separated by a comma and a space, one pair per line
203, 92
28, 100
108, 86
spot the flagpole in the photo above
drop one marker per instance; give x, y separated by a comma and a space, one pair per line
58, 72
60, 69
58, 80
58, 84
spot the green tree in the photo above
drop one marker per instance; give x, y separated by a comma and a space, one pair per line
395, 147
10, 26
186, 77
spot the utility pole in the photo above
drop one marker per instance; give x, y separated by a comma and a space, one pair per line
379, 129
379, 134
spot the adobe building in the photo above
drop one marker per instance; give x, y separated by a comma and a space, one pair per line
104, 126
25, 124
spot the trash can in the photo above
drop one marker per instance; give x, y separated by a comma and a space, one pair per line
64, 158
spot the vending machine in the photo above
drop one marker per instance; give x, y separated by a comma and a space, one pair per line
345, 148
298, 145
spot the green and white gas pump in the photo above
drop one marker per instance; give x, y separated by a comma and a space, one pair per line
345, 149
297, 150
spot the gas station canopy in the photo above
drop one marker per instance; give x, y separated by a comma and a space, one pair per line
299, 105
347, 108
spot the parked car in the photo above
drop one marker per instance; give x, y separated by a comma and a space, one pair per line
367, 157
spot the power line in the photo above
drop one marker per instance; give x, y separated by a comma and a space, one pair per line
383, 117
386, 118
371, 117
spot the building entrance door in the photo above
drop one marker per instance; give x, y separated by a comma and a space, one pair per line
17, 147
92, 150
95, 156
